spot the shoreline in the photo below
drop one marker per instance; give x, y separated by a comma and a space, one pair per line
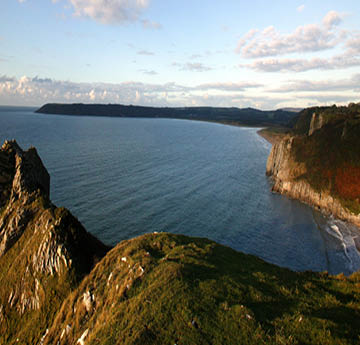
273, 134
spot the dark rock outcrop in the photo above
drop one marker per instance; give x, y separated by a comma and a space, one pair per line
44, 250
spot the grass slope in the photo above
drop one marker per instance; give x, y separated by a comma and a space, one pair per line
172, 289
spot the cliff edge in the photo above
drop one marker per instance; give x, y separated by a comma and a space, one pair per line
44, 250
319, 162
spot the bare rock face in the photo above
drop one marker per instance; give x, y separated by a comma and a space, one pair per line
317, 121
44, 250
23, 178
288, 177
29, 174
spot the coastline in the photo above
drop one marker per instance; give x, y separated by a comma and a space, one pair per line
273, 134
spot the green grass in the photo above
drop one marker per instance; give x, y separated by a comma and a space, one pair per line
194, 291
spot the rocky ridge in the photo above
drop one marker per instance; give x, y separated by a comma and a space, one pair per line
44, 250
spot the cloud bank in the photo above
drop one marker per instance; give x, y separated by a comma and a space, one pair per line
264, 47
37, 91
306, 38
303, 65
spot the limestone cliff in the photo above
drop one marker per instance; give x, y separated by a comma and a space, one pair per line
319, 163
44, 250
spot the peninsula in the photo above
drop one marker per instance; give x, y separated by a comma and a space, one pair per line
232, 116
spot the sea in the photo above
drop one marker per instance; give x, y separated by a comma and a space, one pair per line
123, 177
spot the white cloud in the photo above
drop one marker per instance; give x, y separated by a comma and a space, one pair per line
195, 56
92, 95
109, 11
4, 79
37, 91
30, 91
148, 72
306, 38
332, 19
145, 52
303, 65
331, 85
192, 66
301, 8
347, 43
241, 86
147, 24
353, 45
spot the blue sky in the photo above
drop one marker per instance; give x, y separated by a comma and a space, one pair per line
263, 54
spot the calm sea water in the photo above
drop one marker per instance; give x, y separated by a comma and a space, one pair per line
125, 177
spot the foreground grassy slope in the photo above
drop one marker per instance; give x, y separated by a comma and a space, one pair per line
172, 289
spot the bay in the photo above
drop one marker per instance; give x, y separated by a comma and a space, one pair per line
125, 177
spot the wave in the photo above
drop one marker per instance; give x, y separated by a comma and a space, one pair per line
342, 239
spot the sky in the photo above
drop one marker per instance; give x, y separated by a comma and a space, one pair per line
231, 53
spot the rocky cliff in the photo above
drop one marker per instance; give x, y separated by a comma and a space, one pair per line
319, 163
44, 250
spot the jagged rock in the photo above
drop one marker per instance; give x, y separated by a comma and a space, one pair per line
44, 250
30, 175
23, 178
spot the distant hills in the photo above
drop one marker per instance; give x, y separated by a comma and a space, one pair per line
234, 116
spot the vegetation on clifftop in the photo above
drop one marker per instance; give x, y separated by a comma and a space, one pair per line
172, 289
327, 141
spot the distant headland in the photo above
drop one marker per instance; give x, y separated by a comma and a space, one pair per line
232, 116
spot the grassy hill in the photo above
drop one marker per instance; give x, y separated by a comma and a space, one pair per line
172, 289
